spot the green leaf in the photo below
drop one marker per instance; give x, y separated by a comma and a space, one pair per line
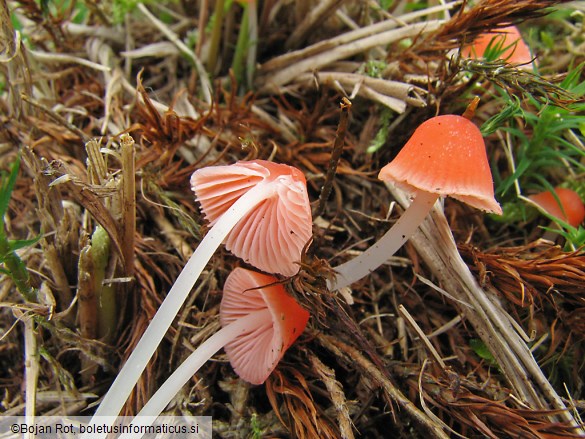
382, 135
482, 350
513, 109
547, 39
15, 245
7, 183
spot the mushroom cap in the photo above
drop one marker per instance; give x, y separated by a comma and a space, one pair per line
516, 51
446, 156
571, 209
255, 354
271, 236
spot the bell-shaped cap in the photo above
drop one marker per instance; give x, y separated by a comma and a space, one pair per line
446, 155
255, 353
571, 209
272, 235
508, 38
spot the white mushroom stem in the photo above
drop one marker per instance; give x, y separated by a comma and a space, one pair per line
352, 271
127, 378
193, 363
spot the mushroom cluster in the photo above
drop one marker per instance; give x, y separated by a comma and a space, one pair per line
261, 210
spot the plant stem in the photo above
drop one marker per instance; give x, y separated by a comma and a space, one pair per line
106, 294
345, 106
215, 36
193, 363
128, 202
241, 48
86, 295
252, 12
136, 363
17, 270
377, 254
31, 366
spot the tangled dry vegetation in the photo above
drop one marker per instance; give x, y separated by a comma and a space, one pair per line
111, 106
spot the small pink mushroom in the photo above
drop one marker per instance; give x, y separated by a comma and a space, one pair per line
255, 353
566, 206
515, 50
260, 321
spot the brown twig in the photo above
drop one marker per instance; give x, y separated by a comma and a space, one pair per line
345, 106
335, 390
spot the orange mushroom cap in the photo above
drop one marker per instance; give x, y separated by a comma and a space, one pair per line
516, 51
571, 209
446, 156
255, 354
271, 236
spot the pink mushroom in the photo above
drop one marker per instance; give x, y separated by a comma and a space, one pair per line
445, 156
255, 353
566, 206
272, 235
260, 321
515, 50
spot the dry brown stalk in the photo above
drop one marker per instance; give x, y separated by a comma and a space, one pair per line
86, 295
60, 228
337, 149
7, 40
90, 197
393, 94
337, 395
128, 193
13, 63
